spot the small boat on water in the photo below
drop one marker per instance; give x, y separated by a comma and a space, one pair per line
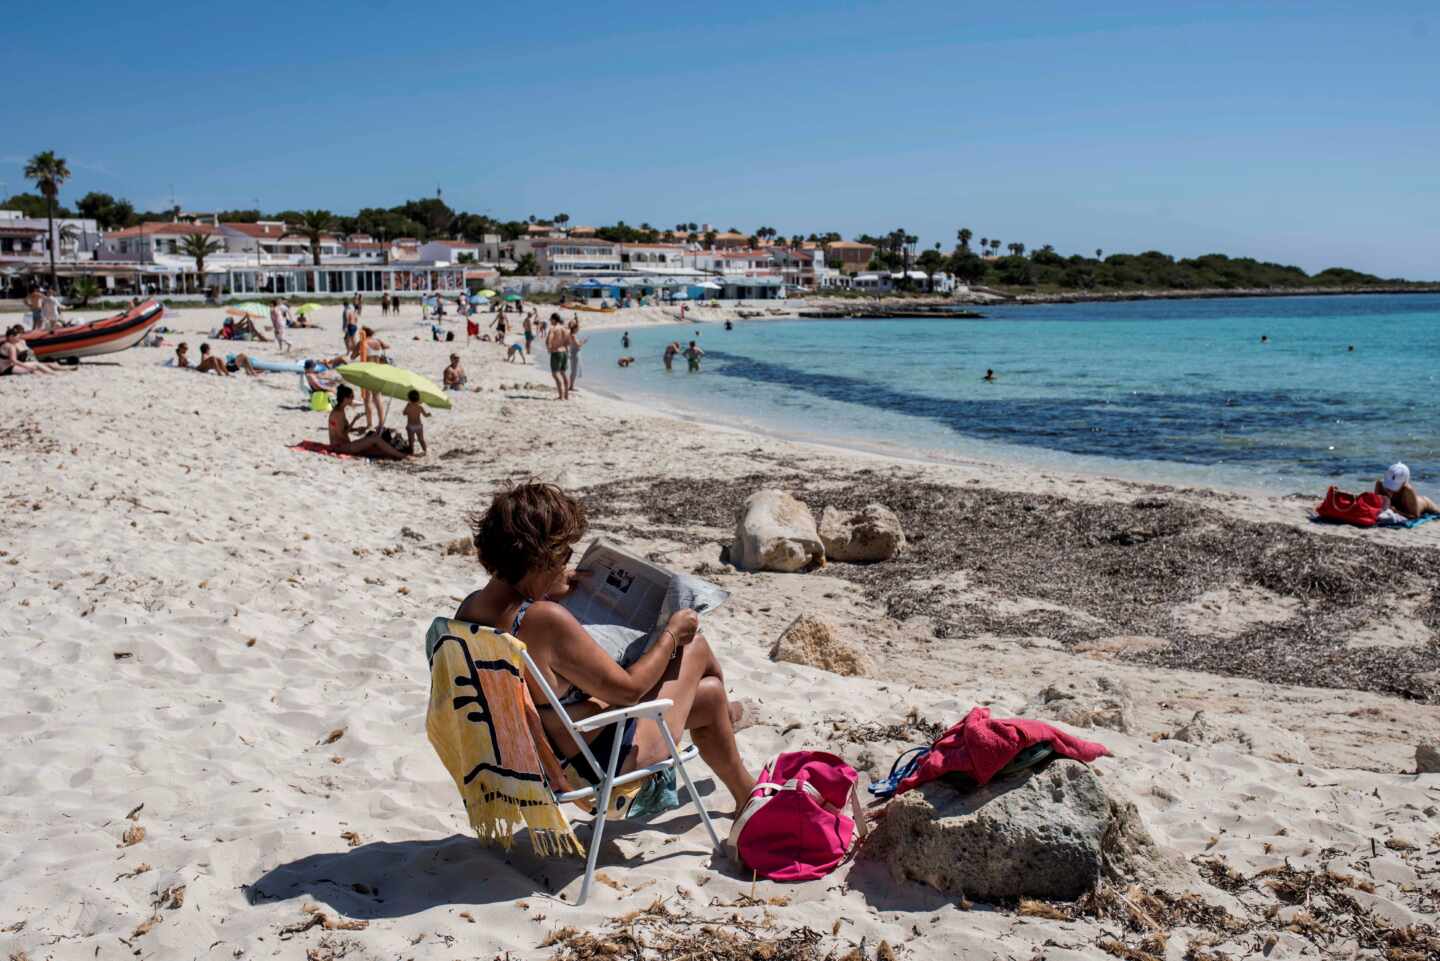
98, 337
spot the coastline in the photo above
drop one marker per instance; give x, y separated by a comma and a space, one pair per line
199, 608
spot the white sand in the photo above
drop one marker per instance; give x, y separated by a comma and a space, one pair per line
192, 608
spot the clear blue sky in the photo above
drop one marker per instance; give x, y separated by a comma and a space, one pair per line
1303, 133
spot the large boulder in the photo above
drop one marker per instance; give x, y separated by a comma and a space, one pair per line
863, 536
775, 532
1085, 702
1041, 834
809, 640
1427, 757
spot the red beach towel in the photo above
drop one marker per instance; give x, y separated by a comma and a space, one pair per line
980, 746
315, 447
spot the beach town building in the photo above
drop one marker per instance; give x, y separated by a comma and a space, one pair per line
849, 256
25, 240
654, 258
452, 251
730, 240
568, 256
803, 267
749, 263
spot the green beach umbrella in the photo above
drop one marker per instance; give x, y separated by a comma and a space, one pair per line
306, 308
248, 309
512, 297
394, 382
487, 293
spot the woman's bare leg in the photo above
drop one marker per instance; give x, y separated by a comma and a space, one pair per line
693, 681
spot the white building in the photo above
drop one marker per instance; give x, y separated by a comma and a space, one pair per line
567, 256
23, 239
743, 263
654, 258
452, 251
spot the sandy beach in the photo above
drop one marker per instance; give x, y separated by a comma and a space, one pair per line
217, 684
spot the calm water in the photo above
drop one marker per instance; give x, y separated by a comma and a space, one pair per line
1177, 391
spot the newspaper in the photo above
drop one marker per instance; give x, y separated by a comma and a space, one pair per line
625, 602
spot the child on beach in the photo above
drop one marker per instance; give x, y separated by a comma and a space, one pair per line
415, 413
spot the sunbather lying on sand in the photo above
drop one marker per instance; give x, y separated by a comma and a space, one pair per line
1404, 499
525, 541
341, 427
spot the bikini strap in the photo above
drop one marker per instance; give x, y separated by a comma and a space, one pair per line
519, 616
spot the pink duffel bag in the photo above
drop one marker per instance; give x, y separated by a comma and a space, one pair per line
794, 826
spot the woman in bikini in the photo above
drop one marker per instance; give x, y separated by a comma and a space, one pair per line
525, 541
366, 346
369, 444
10, 362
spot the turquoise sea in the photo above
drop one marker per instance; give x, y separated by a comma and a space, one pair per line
1170, 391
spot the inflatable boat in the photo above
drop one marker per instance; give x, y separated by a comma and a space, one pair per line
97, 337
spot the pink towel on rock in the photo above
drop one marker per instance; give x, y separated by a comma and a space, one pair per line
981, 745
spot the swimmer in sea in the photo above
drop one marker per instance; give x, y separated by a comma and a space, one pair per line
989, 375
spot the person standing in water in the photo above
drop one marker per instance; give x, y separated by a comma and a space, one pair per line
692, 356
989, 375
625, 340
671, 349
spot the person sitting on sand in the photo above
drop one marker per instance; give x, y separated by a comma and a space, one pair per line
1404, 499
316, 379
453, 377
231, 329
415, 414
10, 362
525, 540
369, 444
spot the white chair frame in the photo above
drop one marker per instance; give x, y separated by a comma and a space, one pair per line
651, 710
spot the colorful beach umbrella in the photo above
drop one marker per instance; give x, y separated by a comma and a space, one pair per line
487, 293
512, 297
248, 309
306, 308
394, 382
478, 298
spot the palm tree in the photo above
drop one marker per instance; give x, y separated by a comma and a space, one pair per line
49, 172
964, 235
994, 247
199, 246
313, 224
984, 243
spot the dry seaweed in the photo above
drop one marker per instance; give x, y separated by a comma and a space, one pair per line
660, 931
1106, 568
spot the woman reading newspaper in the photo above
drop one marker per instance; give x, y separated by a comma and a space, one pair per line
525, 540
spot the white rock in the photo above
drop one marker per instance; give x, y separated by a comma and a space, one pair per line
775, 532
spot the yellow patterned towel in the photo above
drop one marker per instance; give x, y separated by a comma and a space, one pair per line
484, 726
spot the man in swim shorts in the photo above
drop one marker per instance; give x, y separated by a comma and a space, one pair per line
557, 341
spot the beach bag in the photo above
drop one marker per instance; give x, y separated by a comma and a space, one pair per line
1361, 510
320, 401
794, 826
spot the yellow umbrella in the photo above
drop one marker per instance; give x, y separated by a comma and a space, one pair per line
306, 308
394, 382
487, 293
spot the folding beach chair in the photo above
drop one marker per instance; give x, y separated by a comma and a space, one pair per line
487, 731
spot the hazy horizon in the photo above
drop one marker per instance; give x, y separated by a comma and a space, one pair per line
1303, 137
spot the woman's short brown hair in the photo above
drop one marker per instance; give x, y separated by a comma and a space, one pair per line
528, 528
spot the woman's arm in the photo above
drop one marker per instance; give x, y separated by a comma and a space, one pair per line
574, 655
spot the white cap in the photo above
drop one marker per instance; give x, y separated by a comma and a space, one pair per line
1396, 477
